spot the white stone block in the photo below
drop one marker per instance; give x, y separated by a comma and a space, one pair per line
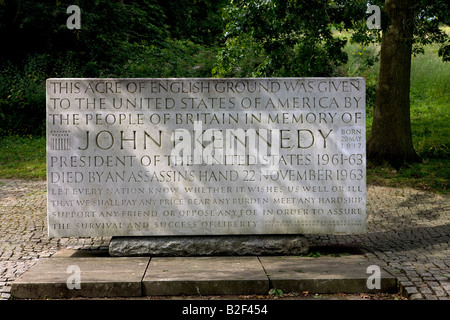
149, 157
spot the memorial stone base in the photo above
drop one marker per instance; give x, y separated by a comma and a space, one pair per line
184, 246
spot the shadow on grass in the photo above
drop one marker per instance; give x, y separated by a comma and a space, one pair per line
431, 175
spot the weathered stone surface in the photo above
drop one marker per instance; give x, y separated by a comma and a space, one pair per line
158, 276
325, 274
178, 157
249, 245
205, 276
98, 277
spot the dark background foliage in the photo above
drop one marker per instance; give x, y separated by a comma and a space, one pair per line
182, 38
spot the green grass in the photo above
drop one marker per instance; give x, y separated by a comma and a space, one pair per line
430, 117
22, 157
430, 104
430, 175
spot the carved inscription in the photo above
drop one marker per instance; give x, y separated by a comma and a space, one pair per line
206, 156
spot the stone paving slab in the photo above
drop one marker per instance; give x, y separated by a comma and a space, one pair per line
205, 276
325, 274
174, 276
73, 253
99, 277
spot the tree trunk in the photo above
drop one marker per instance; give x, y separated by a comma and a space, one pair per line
391, 138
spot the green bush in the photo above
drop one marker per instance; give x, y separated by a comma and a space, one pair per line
280, 39
176, 58
22, 91
110, 34
22, 98
240, 57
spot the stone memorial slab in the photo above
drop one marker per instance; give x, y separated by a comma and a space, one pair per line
182, 157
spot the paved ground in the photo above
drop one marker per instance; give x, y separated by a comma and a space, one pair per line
408, 235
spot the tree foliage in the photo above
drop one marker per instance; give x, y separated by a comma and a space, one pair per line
198, 21
110, 30
407, 26
39, 45
285, 38
429, 16
181, 38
